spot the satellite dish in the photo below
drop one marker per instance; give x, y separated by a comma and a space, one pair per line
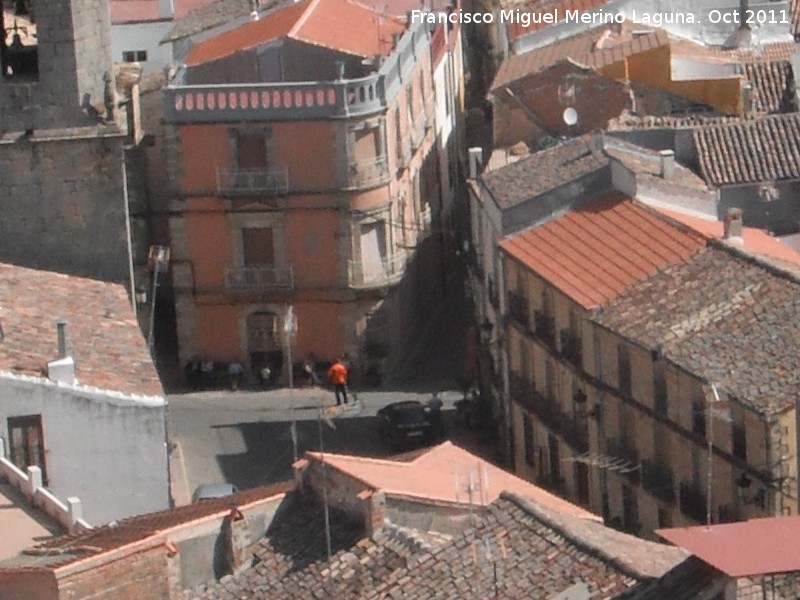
570, 116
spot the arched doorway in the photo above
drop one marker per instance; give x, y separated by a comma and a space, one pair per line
264, 344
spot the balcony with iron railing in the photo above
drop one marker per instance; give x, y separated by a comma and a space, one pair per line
418, 130
658, 479
367, 173
572, 347
518, 308
524, 392
626, 456
545, 327
693, 502
253, 181
340, 98
424, 220
379, 273
254, 279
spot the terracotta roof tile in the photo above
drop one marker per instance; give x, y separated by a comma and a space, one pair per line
326, 23
595, 252
750, 150
755, 241
127, 531
430, 476
580, 48
755, 547
138, 11
544, 7
542, 171
219, 12
103, 336
724, 316
539, 553
773, 86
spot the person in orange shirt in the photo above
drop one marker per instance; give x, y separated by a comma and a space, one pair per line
338, 376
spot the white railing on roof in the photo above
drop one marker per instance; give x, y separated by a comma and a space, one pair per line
69, 515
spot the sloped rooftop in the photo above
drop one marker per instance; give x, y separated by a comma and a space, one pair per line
433, 474
327, 23
593, 253
750, 150
724, 316
73, 547
595, 48
542, 171
103, 336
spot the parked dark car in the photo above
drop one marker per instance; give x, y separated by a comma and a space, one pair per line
406, 423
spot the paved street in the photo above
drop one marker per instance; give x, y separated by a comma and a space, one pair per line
245, 438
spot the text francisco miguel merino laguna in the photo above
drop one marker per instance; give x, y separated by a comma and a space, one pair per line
525, 19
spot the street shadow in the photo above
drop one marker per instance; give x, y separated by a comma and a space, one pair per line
268, 454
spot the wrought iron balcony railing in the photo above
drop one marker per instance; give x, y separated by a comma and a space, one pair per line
379, 273
258, 279
658, 479
693, 502
253, 181
365, 173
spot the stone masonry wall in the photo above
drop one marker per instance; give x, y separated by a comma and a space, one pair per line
74, 51
62, 207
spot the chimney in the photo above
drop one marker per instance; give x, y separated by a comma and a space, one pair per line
166, 9
62, 370
747, 97
475, 161
733, 225
237, 540
667, 164
598, 142
61, 326
339, 70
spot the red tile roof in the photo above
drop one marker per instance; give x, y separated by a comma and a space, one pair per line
138, 11
755, 241
327, 23
546, 7
432, 476
134, 529
103, 336
747, 151
593, 253
596, 48
756, 547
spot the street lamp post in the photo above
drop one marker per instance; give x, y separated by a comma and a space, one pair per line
289, 331
158, 259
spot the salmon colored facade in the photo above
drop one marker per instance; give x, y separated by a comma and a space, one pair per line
317, 194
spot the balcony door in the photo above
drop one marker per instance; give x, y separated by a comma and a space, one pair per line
373, 251
26, 443
251, 150
258, 246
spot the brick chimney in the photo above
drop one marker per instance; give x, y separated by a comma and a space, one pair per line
733, 225
62, 370
237, 540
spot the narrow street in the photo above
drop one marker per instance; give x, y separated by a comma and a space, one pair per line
245, 437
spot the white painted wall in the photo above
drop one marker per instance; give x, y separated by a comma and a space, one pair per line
143, 36
104, 447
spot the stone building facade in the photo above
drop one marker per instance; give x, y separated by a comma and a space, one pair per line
325, 176
640, 381
62, 187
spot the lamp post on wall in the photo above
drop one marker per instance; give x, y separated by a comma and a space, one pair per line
158, 261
